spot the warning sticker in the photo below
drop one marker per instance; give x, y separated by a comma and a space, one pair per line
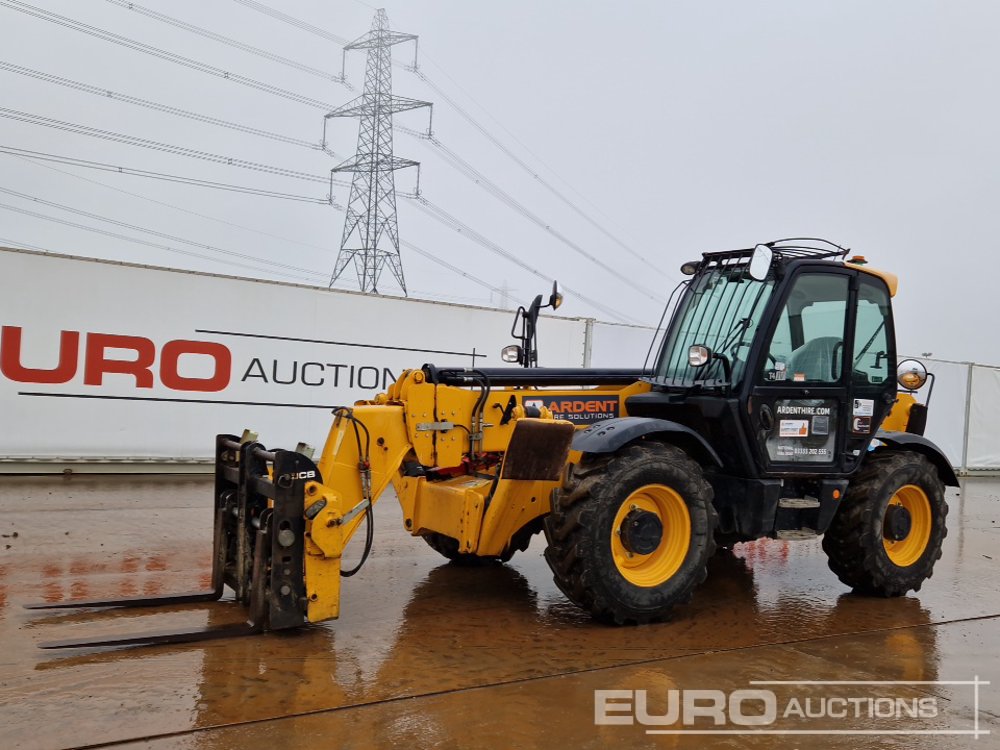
805, 431
793, 428
821, 425
779, 373
864, 407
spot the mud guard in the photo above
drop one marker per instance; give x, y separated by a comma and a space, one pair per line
611, 434
920, 444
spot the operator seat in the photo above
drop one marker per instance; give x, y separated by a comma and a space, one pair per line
815, 358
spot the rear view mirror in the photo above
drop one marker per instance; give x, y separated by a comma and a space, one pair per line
911, 374
760, 263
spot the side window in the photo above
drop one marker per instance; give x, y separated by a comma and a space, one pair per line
871, 337
808, 341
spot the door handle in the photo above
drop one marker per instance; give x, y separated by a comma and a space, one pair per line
766, 417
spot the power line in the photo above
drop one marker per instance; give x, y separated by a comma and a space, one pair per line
126, 238
292, 21
439, 214
162, 54
152, 232
180, 179
534, 174
177, 23
593, 206
177, 111
425, 206
409, 245
23, 245
458, 163
130, 140
582, 213
174, 207
449, 155
444, 264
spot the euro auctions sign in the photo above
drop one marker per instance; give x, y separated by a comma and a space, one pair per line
102, 359
106, 354
819, 708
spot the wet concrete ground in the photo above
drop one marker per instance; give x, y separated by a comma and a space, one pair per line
430, 655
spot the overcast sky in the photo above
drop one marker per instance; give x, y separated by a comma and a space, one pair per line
676, 127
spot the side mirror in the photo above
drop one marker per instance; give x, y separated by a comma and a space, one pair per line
556, 299
911, 374
699, 355
760, 262
513, 354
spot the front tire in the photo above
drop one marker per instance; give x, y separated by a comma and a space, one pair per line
888, 532
630, 534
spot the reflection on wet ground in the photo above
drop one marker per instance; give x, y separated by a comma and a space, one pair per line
430, 655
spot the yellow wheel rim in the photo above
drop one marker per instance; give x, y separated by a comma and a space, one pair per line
908, 550
664, 561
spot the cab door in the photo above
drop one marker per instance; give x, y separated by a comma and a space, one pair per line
822, 386
797, 407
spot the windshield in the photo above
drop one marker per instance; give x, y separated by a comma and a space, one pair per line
721, 310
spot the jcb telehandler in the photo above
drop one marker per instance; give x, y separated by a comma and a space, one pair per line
771, 410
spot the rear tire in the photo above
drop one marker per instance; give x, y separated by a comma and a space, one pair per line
860, 544
604, 571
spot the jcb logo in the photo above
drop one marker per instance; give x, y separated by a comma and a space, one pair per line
294, 475
135, 356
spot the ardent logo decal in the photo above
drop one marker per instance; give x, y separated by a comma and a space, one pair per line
578, 409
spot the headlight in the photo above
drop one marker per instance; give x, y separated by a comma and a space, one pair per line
699, 355
511, 353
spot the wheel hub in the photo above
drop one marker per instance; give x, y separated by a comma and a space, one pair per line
641, 532
897, 523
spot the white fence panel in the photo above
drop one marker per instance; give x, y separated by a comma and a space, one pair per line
946, 414
984, 419
103, 359
615, 345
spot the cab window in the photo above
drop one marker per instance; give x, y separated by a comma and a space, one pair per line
808, 341
871, 337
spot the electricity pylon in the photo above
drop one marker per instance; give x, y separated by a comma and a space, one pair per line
371, 229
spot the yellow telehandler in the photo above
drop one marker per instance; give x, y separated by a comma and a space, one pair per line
771, 409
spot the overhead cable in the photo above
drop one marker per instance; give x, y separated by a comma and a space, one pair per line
130, 140
174, 207
136, 240
177, 23
439, 214
586, 216
157, 106
292, 21
180, 179
409, 245
153, 232
484, 182
162, 54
